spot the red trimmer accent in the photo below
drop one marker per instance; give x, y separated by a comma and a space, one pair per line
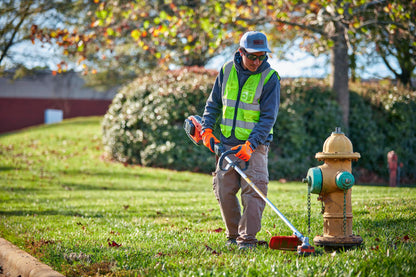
289, 243
193, 128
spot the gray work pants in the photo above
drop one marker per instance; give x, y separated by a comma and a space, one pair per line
242, 226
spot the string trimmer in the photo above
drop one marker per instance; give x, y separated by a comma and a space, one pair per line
297, 242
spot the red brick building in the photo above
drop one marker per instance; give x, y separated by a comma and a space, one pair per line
23, 102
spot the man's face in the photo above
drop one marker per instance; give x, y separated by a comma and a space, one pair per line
249, 63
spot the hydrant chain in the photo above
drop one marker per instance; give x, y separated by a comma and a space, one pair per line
309, 212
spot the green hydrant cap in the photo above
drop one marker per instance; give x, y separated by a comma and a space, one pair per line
344, 180
314, 180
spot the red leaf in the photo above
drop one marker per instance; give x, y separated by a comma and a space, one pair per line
211, 250
159, 254
113, 243
374, 247
219, 230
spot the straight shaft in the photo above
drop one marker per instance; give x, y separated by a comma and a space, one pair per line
259, 192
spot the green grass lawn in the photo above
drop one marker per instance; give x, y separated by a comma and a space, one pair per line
83, 215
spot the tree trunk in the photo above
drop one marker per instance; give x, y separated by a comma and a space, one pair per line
405, 77
339, 74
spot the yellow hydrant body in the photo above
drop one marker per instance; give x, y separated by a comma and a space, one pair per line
333, 181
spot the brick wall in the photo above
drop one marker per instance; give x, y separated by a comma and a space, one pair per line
23, 102
18, 113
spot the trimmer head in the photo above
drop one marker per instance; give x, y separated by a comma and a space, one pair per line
306, 249
289, 243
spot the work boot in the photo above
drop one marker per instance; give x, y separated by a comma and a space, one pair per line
246, 246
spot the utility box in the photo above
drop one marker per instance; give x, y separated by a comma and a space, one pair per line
53, 116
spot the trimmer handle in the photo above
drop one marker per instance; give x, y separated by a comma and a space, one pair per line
220, 151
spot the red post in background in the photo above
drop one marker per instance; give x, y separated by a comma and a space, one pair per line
392, 161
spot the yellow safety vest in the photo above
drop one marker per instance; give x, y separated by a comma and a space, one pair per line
248, 112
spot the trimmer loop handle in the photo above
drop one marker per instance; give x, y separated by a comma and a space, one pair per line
220, 151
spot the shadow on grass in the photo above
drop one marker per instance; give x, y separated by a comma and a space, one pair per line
127, 174
49, 212
133, 188
77, 121
6, 168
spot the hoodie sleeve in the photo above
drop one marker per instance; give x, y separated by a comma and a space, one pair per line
269, 107
213, 105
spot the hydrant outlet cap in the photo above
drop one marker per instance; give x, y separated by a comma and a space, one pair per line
337, 146
314, 179
344, 180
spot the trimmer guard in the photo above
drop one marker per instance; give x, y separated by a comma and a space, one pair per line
289, 243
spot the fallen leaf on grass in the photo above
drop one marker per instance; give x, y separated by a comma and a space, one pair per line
161, 254
113, 243
82, 225
211, 250
219, 230
405, 238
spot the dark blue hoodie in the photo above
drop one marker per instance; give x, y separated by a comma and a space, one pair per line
269, 105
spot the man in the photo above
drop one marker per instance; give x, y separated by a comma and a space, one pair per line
246, 96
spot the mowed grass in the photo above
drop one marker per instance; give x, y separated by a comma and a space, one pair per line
64, 203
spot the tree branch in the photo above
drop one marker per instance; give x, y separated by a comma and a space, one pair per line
16, 29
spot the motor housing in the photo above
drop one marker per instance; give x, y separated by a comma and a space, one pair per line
193, 128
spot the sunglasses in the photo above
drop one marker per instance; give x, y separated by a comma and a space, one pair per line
254, 57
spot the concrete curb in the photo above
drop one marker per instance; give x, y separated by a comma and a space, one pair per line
15, 262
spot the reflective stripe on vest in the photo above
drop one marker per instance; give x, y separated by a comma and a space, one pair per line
248, 113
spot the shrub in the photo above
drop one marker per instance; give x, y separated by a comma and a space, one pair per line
382, 119
144, 124
308, 114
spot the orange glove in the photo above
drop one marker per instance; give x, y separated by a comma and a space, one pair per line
245, 151
207, 138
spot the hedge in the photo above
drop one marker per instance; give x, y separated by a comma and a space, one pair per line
144, 124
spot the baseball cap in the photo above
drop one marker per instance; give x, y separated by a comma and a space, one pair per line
254, 42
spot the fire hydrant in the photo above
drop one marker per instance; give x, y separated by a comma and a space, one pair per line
333, 181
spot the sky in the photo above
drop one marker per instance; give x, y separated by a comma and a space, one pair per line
297, 62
